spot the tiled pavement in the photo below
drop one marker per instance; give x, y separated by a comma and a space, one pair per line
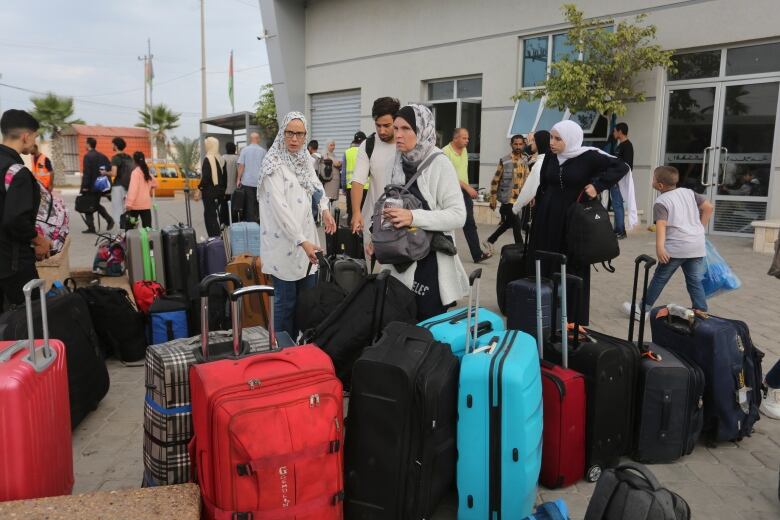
730, 481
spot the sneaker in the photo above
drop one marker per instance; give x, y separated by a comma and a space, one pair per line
771, 405
489, 247
627, 311
482, 258
621, 236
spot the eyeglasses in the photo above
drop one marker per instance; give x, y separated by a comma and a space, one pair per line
289, 134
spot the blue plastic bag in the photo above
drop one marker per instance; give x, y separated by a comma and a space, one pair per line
719, 277
102, 184
551, 511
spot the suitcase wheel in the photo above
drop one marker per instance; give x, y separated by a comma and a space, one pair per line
593, 474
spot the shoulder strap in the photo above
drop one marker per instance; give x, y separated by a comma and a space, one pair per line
605, 489
370, 144
421, 168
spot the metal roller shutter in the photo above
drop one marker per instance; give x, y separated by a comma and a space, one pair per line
335, 115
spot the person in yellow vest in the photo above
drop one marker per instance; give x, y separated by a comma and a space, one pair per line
349, 162
41, 168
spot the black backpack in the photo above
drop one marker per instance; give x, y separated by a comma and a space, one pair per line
632, 491
326, 170
590, 238
118, 324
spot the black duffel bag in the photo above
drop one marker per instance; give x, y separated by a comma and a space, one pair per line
632, 491
87, 203
118, 324
590, 238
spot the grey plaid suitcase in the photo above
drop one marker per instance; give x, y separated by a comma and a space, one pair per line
167, 411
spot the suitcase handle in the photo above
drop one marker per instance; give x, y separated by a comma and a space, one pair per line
649, 263
539, 256
203, 291
48, 354
472, 331
235, 298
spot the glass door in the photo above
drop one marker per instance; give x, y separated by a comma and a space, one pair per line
471, 120
720, 137
742, 159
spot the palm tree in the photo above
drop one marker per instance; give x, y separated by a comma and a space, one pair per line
55, 114
187, 154
161, 120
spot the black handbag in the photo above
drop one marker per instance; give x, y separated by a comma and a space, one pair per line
590, 238
86, 203
632, 491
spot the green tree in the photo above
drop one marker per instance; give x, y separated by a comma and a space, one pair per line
266, 113
160, 121
187, 153
55, 114
604, 80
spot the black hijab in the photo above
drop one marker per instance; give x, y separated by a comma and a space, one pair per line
542, 140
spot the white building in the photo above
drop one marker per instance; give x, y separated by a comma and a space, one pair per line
714, 119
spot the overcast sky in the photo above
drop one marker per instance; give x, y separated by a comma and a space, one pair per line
89, 49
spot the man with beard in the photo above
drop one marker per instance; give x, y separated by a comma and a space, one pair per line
374, 155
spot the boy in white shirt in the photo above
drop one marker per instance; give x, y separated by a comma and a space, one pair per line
681, 217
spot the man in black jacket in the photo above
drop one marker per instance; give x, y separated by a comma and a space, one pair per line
95, 165
624, 151
20, 196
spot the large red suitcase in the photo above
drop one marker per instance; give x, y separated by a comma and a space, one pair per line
268, 433
563, 396
36, 456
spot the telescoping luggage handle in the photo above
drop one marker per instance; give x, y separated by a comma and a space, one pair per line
203, 291
649, 263
471, 330
235, 298
47, 353
540, 255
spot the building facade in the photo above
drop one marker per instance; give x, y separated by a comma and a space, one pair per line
714, 119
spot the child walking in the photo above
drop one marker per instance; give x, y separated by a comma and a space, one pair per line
681, 216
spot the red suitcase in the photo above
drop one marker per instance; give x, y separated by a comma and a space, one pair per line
268, 432
563, 395
36, 455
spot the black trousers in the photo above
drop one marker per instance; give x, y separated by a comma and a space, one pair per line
89, 218
251, 208
470, 228
508, 221
212, 212
144, 214
11, 286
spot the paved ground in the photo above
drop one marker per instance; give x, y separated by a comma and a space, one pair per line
729, 482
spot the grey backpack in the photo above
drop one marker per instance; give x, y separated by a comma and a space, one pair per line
631, 491
400, 245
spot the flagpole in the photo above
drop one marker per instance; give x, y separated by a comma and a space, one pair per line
151, 99
232, 86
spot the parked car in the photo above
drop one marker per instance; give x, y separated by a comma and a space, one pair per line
170, 177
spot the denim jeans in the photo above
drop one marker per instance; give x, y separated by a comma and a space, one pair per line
773, 376
617, 206
285, 301
693, 269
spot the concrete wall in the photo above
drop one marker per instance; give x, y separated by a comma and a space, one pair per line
393, 48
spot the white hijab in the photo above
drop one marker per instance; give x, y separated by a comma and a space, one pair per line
572, 135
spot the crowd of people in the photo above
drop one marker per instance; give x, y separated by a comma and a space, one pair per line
292, 187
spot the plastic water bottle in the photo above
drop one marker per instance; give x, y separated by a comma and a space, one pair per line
390, 202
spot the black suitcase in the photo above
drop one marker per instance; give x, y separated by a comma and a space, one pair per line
180, 248
344, 241
354, 324
670, 391
400, 451
513, 265
609, 365
70, 322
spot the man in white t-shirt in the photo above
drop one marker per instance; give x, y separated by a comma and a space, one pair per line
374, 156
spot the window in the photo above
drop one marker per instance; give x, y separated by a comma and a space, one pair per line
537, 57
696, 65
470, 88
524, 116
530, 116
753, 59
441, 90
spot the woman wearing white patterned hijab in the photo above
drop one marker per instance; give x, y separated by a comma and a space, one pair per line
289, 240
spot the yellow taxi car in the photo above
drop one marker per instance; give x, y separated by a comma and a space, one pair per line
170, 177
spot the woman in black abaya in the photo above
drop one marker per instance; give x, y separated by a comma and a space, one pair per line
568, 171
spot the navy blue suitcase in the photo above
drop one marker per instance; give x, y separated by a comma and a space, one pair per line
212, 257
521, 306
453, 327
731, 364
